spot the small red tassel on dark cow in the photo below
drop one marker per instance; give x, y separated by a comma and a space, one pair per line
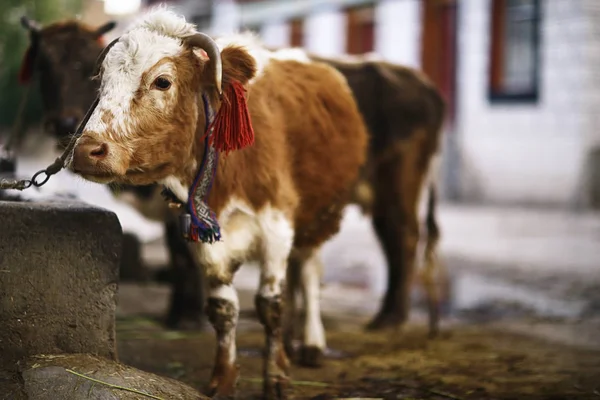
232, 125
26, 67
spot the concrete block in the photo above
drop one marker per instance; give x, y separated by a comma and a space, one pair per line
58, 279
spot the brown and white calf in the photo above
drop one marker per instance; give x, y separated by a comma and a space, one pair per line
63, 55
276, 200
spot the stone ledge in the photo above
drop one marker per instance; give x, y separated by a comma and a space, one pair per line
58, 279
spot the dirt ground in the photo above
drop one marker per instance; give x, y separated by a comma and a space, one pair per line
511, 332
465, 362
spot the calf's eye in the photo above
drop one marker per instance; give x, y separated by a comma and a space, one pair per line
161, 83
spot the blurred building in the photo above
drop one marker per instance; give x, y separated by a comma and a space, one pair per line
521, 77
528, 99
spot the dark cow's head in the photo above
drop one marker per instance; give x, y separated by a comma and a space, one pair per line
64, 55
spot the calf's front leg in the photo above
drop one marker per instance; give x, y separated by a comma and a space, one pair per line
223, 310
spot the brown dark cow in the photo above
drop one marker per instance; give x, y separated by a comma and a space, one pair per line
63, 54
404, 113
263, 148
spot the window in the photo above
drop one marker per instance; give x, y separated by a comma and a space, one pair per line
360, 30
514, 58
297, 33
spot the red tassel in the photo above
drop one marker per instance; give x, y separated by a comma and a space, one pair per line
232, 124
26, 67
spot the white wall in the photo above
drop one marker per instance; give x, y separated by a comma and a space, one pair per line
398, 31
325, 32
225, 18
528, 153
276, 33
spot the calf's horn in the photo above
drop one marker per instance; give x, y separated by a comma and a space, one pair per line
206, 43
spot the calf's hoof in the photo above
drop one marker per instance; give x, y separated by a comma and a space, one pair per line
311, 356
223, 383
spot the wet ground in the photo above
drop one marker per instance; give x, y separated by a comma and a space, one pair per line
523, 321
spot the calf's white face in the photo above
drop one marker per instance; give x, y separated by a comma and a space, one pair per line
144, 126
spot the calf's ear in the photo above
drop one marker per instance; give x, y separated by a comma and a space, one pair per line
238, 65
233, 124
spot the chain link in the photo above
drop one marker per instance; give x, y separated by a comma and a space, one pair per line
14, 184
23, 184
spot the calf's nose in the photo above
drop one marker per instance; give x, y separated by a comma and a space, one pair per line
87, 153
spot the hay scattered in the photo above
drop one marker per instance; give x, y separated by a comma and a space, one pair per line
112, 385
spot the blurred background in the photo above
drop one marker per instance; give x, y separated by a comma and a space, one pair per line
519, 75
521, 154
520, 178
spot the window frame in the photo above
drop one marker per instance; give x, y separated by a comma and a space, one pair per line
297, 34
496, 55
353, 20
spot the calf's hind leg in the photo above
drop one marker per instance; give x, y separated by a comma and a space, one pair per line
304, 276
292, 287
313, 343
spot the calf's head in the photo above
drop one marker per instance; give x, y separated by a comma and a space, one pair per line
64, 55
149, 114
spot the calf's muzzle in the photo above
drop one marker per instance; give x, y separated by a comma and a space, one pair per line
88, 155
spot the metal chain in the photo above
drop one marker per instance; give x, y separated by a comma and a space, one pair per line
39, 178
